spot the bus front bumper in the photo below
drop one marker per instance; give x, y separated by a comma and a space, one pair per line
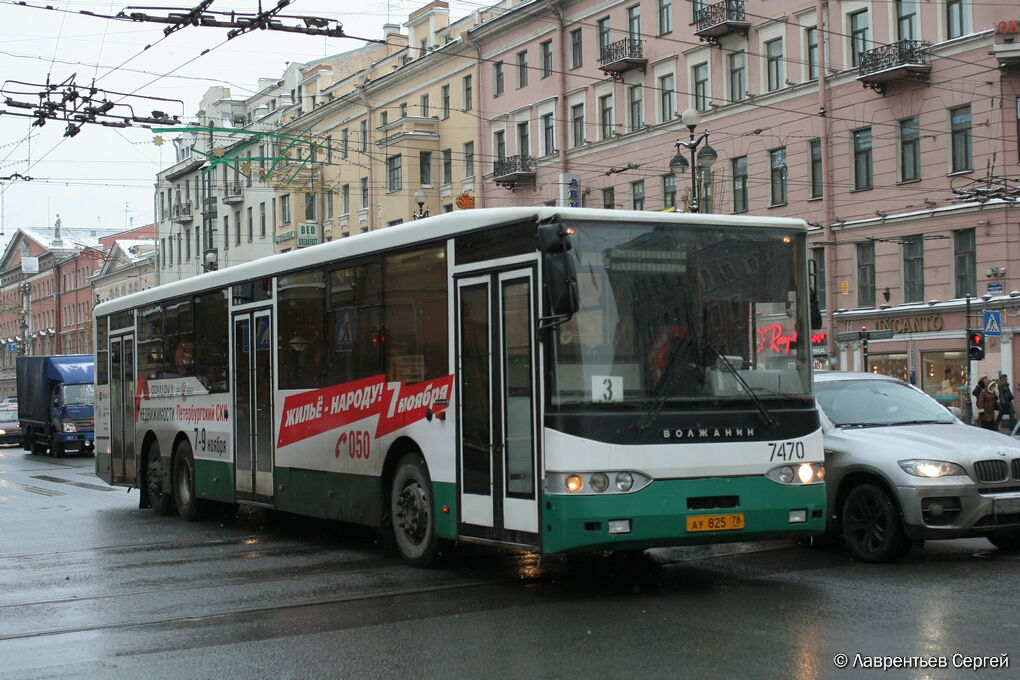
682, 512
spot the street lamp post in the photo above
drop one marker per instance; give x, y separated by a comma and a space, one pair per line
419, 198
703, 158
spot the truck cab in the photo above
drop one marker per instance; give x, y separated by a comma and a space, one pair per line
56, 396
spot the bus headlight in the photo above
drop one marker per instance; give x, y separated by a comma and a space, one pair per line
799, 474
598, 482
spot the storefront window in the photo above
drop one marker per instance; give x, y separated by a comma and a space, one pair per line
894, 365
944, 377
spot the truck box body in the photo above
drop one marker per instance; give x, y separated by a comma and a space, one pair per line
55, 402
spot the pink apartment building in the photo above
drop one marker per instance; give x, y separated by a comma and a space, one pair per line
891, 128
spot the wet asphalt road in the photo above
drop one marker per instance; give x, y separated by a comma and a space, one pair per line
93, 587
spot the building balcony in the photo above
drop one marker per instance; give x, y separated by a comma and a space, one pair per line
903, 60
234, 193
181, 212
722, 18
514, 171
621, 56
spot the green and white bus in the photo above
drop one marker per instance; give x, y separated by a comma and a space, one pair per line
547, 379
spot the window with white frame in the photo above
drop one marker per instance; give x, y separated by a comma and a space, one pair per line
737, 62
394, 176
699, 75
635, 100
667, 98
774, 63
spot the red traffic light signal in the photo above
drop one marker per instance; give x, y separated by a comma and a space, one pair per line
976, 345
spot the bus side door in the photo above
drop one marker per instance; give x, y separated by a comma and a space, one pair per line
497, 407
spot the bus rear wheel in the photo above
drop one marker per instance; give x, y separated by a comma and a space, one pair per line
161, 501
411, 511
184, 483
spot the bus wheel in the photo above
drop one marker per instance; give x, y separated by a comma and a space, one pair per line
162, 502
184, 483
872, 526
414, 531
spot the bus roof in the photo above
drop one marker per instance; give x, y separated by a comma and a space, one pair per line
432, 228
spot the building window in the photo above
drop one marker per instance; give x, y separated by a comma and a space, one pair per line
447, 166
637, 194
602, 27
606, 116
866, 274
913, 268
344, 142
858, 36
468, 93
522, 69
635, 99
403, 110
425, 168
862, 159
669, 191
548, 134
965, 261
469, 159
547, 58
961, 139
667, 98
309, 208
576, 49
811, 40
906, 19
634, 22
665, 16
444, 97
423, 106
364, 135
284, 209
499, 144
226, 236
394, 177
497, 78
577, 124
910, 149
262, 219
818, 255
815, 147
523, 139
364, 193
738, 76
251, 227
345, 199
608, 199
774, 58
699, 74
954, 19
777, 176
739, 168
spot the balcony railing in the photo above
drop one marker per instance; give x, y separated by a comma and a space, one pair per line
903, 60
513, 171
234, 193
721, 19
181, 212
621, 56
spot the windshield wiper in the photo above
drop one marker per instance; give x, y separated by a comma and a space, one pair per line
849, 425
923, 422
769, 419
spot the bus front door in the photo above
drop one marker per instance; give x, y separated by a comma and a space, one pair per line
496, 407
253, 407
124, 402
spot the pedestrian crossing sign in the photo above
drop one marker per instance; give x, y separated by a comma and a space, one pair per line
993, 323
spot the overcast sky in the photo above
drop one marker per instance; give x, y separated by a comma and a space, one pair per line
105, 176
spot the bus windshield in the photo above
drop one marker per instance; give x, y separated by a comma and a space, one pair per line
683, 313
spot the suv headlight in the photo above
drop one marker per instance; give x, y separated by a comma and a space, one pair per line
922, 467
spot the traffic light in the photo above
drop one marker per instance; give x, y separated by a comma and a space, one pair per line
976, 345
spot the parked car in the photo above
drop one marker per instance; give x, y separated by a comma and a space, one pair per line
900, 468
10, 427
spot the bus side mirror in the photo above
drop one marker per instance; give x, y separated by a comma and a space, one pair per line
558, 273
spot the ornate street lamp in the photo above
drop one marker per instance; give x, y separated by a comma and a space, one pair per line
419, 198
703, 158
